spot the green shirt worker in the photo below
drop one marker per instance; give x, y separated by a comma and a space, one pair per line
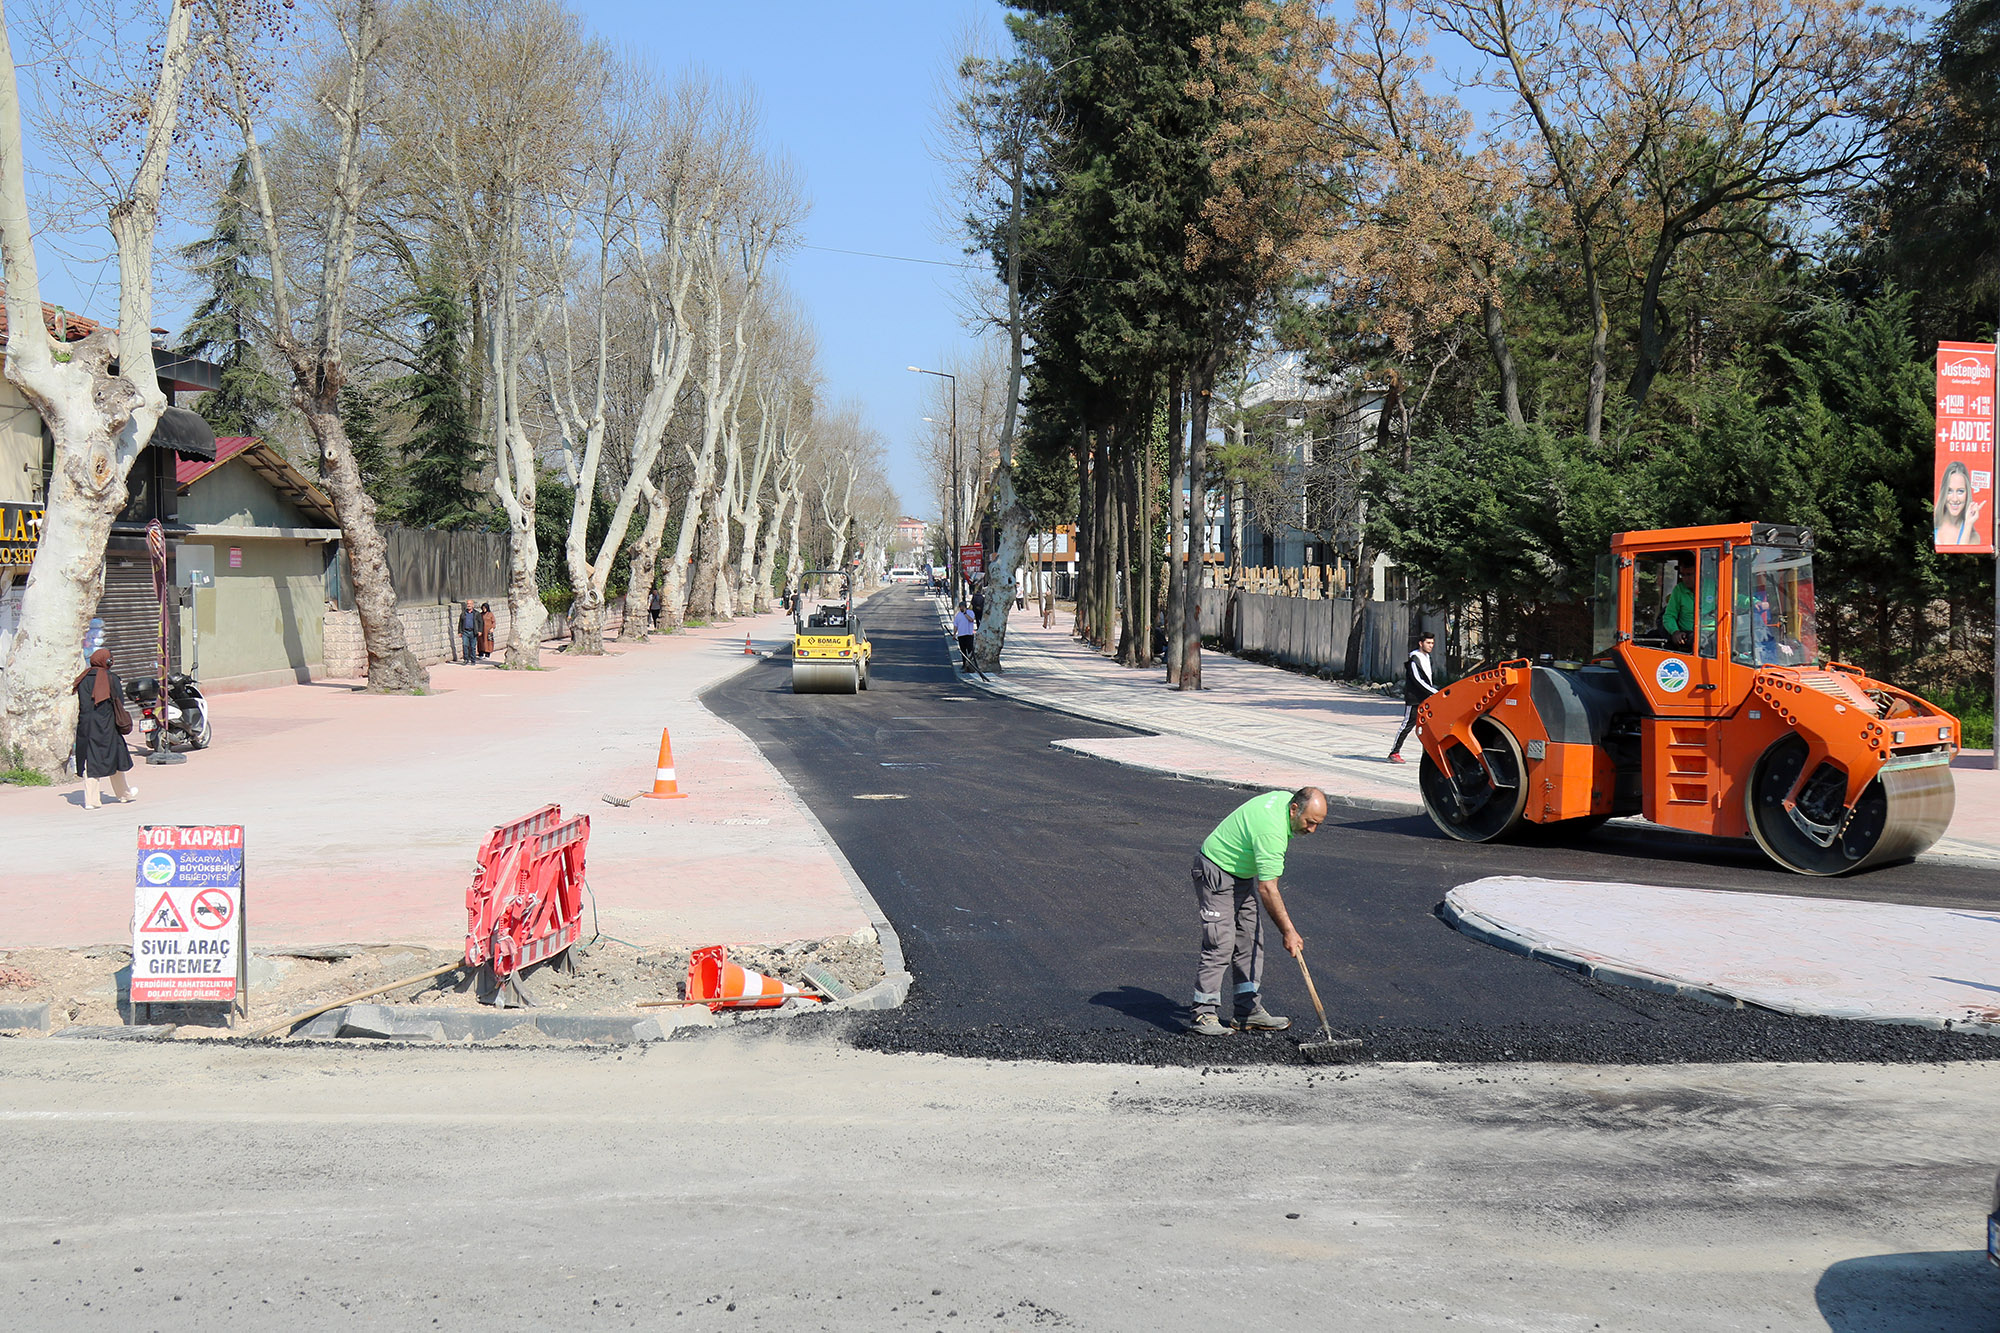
1235, 875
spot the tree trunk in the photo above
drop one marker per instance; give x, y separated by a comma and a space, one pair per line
1085, 541
767, 555
642, 569
1197, 521
1653, 331
1131, 613
1600, 336
392, 667
1503, 360
1177, 533
91, 408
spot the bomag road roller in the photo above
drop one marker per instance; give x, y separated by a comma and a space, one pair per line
1705, 708
829, 648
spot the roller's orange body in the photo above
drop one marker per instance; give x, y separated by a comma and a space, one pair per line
1696, 737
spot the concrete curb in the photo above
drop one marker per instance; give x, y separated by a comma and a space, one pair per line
894, 987
1488, 931
24, 1017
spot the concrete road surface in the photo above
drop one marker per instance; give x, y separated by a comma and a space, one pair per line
777, 1180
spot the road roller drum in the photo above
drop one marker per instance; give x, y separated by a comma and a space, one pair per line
825, 678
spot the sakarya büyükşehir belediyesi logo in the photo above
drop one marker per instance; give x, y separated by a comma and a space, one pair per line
159, 868
1672, 675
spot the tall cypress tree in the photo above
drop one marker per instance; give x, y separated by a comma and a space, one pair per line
381, 471
441, 451
226, 259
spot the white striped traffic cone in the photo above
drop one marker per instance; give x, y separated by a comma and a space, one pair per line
712, 977
665, 786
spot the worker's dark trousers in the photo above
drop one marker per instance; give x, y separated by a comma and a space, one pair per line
1232, 938
965, 653
1409, 725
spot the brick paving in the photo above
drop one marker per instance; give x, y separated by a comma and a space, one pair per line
361, 813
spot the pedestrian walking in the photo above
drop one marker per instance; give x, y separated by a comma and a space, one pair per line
101, 724
468, 632
486, 629
654, 605
979, 602
1235, 875
967, 630
1419, 684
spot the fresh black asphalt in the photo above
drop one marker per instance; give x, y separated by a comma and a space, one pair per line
1044, 904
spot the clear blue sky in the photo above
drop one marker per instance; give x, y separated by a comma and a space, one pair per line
846, 90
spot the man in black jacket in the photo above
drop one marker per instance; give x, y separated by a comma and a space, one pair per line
1419, 684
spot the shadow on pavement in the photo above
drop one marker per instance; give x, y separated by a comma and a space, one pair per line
1147, 1006
1939, 1291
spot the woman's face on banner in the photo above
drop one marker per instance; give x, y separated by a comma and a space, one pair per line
1954, 495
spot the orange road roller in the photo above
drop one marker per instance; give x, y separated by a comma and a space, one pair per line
1706, 707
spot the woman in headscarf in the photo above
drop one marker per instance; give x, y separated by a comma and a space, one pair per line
100, 748
486, 629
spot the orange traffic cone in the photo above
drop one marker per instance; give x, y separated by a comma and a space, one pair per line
712, 977
665, 787
748, 651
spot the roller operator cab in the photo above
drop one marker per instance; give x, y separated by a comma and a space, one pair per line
830, 650
1706, 708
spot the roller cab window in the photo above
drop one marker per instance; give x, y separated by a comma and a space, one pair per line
1772, 608
1674, 601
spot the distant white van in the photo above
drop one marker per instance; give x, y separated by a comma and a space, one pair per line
905, 574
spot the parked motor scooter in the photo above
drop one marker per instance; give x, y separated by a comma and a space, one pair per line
180, 720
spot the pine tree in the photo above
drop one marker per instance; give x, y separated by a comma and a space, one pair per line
381, 471
441, 451
227, 258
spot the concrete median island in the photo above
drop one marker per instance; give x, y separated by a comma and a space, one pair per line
1878, 962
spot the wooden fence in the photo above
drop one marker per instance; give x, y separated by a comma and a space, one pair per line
1311, 631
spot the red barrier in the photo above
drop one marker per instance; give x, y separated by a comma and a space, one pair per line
526, 900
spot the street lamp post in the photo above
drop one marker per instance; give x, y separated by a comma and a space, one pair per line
952, 431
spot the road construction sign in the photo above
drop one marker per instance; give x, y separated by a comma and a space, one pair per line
187, 927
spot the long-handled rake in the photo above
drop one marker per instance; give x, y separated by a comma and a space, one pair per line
1334, 1050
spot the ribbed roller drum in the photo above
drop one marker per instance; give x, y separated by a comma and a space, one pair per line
1469, 804
825, 678
1900, 814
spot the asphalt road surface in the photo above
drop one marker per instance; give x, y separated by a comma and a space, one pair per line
1043, 898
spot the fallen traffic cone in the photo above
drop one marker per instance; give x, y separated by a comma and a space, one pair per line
665, 787
721, 984
748, 651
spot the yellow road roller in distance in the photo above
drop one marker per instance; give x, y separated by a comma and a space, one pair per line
829, 648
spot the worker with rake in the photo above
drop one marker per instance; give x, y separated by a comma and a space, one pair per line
1235, 882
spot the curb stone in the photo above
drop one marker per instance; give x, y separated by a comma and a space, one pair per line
25, 1017
894, 988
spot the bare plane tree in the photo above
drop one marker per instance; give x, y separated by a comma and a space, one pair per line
312, 345
100, 398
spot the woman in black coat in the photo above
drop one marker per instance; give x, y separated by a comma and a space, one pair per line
100, 749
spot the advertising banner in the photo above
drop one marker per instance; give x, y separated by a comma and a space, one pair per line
187, 924
972, 562
1962, 482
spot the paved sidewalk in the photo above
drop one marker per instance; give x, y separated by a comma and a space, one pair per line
362, 813
1256, 725
1881, 962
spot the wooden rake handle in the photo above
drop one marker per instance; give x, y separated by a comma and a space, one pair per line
1313, 991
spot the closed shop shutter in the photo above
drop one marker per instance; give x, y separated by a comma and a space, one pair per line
131, 614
